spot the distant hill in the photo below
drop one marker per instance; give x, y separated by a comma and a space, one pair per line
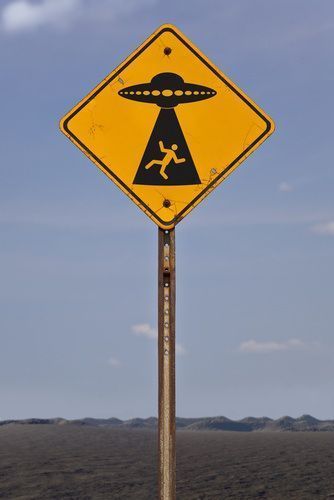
305, 423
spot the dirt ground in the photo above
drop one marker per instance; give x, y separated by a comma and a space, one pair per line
42, 462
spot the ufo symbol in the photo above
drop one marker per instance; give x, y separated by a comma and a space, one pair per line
167, 90
167, 147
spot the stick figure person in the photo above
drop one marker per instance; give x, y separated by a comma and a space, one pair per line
169, 156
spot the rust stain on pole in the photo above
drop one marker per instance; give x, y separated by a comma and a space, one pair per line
166, 350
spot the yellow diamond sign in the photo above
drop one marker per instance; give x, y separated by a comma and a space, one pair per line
167, 126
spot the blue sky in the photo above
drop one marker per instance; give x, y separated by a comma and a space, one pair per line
78, 259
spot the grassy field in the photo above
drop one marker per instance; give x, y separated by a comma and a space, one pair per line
72, 462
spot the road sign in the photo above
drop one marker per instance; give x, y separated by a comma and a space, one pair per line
167, 126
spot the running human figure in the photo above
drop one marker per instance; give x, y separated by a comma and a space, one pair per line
169, 156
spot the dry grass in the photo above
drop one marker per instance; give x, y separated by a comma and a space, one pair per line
72, 462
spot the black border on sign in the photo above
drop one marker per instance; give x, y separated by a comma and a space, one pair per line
176, 219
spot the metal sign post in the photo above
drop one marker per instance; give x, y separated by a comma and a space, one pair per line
166, 355
167, 127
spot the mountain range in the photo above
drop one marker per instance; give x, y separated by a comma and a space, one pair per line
305, 423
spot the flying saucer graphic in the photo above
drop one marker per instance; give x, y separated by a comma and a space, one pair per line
167, 160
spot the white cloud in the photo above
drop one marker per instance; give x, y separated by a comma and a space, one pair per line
146, 330
179, 349
271, 346
114, 362
22, 15
324, 228
285, 187
27, 15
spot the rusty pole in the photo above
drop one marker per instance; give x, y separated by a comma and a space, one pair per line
166, 351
